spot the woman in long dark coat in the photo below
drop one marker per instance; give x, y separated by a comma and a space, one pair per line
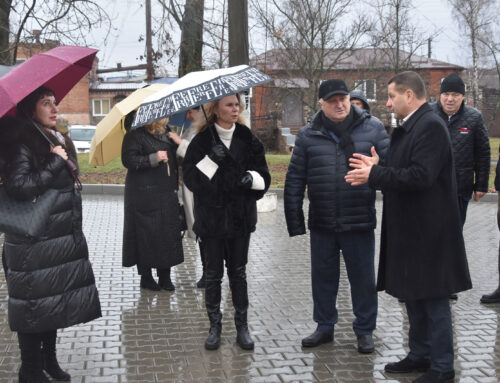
152, 228
225, 168
50, 279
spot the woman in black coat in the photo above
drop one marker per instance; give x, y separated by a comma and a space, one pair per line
225, 168
50, 279
152, 228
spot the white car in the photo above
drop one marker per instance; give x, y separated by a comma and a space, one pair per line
81, 136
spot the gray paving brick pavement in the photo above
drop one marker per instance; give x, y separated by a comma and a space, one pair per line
158, 337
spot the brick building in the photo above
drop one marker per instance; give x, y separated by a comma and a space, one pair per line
280, 104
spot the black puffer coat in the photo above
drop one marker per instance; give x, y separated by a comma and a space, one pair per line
221, 208
319, 163
50, 280
471, 148
152, 232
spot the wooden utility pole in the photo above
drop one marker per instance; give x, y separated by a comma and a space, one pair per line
5, 7
238, 32
190, 57
150, 71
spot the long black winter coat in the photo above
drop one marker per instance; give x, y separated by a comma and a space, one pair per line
221, 208
50, 280
152, 232
319, 162
471, 148
422, 253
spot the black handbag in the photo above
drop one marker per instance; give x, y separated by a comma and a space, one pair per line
25, 218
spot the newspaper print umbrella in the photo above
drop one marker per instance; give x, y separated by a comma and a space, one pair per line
198, 88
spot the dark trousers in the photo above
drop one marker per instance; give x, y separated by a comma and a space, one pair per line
431, 332
358, 249
146, 271
463, 203
234, 251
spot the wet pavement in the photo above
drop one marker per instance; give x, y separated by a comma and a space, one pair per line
158, 337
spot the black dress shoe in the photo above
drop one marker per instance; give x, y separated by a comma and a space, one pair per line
243, 338
408, 365
202, 283
149, 283
166, 284
213, 339
365, 344
317, 338
494, 297
432, 376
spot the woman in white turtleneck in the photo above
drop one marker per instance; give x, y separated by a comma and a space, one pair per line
225, 168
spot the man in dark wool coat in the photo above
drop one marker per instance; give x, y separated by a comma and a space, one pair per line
422, 253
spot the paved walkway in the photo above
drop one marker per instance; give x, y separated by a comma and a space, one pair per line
158, 337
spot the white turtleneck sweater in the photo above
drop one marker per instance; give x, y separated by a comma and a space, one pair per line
209, 167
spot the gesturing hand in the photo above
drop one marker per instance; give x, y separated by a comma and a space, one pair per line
245, 181
217, 153
360, 161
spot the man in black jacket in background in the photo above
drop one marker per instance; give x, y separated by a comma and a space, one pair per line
340, 217
469, 140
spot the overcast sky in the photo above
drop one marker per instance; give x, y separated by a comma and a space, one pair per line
123, 46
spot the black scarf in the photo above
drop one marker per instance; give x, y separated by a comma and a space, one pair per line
343, 131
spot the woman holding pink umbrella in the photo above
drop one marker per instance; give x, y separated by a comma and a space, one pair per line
50, 279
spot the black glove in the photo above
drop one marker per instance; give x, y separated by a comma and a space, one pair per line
246, 181
217, 154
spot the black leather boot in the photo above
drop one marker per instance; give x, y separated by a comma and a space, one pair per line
31, 359
50, 363
213, 339
243, 338
164, 280
212, 303
147, 280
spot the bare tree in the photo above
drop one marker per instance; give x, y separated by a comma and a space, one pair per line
310, 37
476, 18
30, 21
394, 32
238, 32
4, 32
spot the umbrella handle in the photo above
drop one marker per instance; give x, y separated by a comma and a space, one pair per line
69, 164
211, 131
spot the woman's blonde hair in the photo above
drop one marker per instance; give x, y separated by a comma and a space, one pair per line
211, 118
157, 127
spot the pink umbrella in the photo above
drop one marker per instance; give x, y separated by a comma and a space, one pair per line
58, 69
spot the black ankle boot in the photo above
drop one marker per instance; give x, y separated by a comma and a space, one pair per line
243, 338
147, 282
164, 280
213, 339
51, 366
28, 375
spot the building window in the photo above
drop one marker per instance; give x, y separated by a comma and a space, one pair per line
369, 87
100, 106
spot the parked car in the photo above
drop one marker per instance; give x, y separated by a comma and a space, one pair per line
82, 136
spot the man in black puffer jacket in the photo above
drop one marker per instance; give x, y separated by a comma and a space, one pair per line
469, 139
341, 217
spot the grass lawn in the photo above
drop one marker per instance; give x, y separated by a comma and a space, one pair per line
114, 172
